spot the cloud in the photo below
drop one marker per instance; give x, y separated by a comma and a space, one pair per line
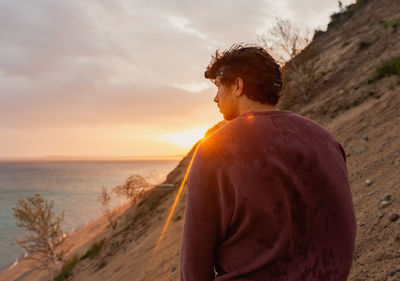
70, 63
312, 14
64, 62
99, 102
182, 25
194, 87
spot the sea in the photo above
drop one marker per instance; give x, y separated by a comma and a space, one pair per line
73, 186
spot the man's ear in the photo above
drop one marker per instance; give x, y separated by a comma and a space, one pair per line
238, 86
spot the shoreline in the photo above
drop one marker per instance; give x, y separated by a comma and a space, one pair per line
72, 223
78, 240
8, 267
78, 228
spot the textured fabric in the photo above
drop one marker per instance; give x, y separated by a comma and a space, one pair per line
268, 199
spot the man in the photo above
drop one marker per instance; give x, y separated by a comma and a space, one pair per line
268, 193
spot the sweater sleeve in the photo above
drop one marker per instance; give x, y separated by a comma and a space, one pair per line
201, 226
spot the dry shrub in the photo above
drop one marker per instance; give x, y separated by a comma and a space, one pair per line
284, 41
133, 189
45, 239
301, 80
104, 200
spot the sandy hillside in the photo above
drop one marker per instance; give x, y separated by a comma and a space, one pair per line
361, 111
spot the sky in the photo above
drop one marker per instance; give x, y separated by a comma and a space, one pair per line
122, 78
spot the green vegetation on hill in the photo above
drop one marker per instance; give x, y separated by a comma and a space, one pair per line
346, 13
394, 24
388, 68
69, 265
94, 250
66, 269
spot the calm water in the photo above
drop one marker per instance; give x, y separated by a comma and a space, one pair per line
73, 186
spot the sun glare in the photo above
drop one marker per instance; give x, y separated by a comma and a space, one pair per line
185, 138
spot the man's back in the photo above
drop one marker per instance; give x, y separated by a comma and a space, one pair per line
269, 199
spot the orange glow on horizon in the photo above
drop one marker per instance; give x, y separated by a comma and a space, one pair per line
185, 139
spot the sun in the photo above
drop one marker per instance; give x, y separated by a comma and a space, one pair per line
186, 138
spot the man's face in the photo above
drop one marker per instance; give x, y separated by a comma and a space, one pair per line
226, 100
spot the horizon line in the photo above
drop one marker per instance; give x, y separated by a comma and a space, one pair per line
90, 158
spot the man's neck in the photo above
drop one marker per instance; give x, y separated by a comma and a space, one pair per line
248, 105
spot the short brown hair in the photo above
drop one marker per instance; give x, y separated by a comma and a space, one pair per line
262, 78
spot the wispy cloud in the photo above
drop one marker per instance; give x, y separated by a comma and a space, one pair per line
194, 87
88, 62
181, 24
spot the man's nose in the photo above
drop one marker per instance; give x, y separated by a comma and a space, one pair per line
216, 98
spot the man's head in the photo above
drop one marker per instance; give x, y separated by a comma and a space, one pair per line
244, 70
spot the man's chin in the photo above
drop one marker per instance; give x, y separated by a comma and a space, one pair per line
229, 117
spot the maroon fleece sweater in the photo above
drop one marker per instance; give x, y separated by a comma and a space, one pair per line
268, 199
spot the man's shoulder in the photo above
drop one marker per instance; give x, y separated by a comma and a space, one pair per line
242, 126
299, 124
255, 128
224, 133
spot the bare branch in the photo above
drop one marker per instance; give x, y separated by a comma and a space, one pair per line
104, 200
46, 237
133, 189
284, 41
